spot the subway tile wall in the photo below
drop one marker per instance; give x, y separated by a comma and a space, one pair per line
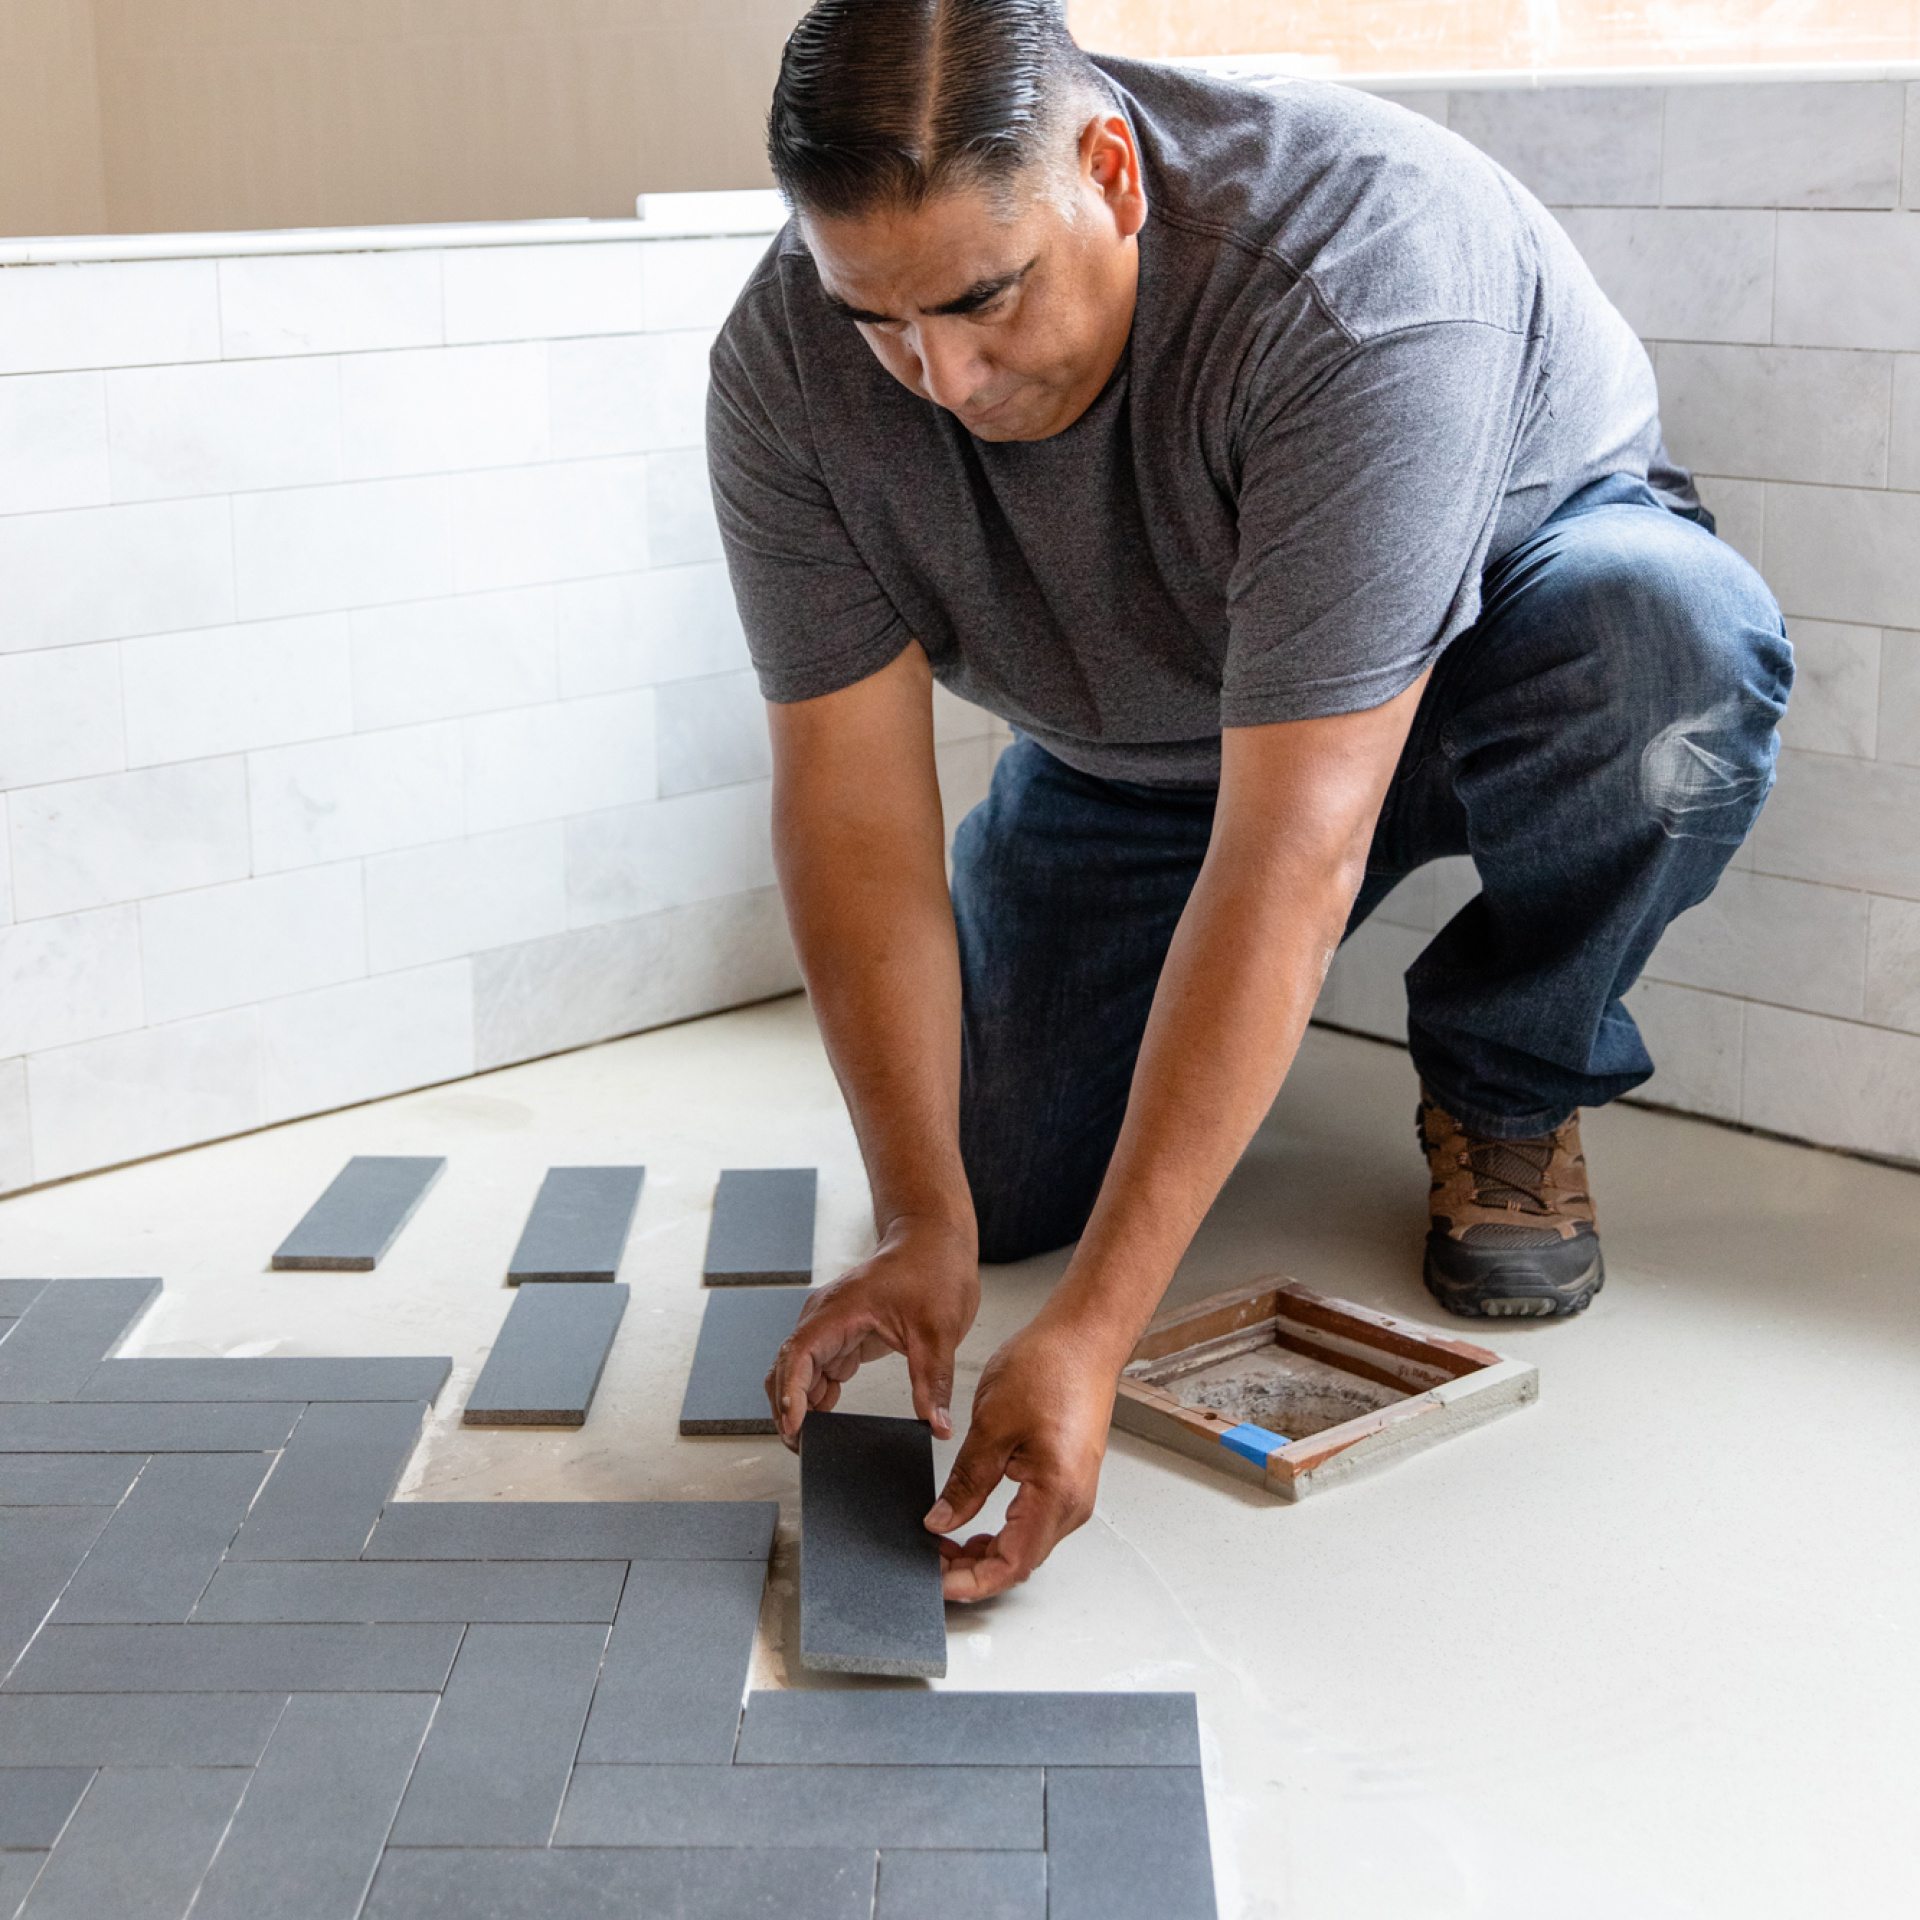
1764, 238
372, 706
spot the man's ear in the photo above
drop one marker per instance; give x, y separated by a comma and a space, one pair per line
1110, 163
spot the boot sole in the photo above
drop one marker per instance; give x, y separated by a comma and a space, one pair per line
1515, 1294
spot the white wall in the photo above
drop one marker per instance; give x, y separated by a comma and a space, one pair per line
372, 705
1765, 241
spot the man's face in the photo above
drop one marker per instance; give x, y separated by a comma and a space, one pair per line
1010, 317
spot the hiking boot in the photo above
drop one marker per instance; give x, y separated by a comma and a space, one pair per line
1513, 1231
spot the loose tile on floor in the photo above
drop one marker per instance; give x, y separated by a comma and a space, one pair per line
547, 1362
360, 1215
740, 1335
763, 1227
579, 1224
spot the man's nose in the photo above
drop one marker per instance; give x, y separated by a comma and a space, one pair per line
951, 369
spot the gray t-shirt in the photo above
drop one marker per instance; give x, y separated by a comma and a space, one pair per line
1364, 363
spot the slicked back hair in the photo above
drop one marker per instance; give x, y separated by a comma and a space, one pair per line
889, 103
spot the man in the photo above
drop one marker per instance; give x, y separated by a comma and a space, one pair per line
1271, 461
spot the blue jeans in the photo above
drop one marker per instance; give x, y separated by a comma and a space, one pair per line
1600, 741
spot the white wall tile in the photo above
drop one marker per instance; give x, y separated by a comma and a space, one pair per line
127, 836
631, 393
1832, 1081
1903, 461
443, 409
1411, 903
1899, 698
1836, 688
265, 684
120, 313
637, 629
144, 1093
6, 866
1821, 144
1847, 823
1366, 988
315, 549
437, 659
1683, 275
544, 293
681, 527
964, 769
254, 940
637, 860
1739, 509
226, 428
1910, 196
102, 572
342, 1045
329, 303
1786, 941
1893, 965
16, 1133
368, 793
67, 979
957, 719
543, 763
1777, 413
1695, 1043
465, 896
53, 441
694, 283
1428, 105
522, 525
59, 715
1848, 280
1572, 146
712, 733
1840, 553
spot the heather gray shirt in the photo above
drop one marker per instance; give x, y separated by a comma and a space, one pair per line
1364, 363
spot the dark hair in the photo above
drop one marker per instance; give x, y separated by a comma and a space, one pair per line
890, 102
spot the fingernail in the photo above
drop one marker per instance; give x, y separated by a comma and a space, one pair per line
941, 1518
943, 1423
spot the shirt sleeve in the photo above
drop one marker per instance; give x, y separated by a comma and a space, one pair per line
1367, 506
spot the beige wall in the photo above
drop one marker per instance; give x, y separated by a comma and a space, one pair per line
49, 119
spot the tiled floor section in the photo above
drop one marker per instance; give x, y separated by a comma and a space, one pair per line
238, 1682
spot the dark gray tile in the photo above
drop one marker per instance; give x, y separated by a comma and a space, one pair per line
331, 1482
359, 1216
164, 1540
1127, 1843
18, 1871
367, 1590
762, 1231
235, 1381
869, 1569
579, 1223
739, 1335
496, 1766
66, 1479
962, 1886
971, 1729
575, 1530
237, 1659
139, 1844
546, 1361
36, 1801
70, 1327
601, 1884
16, 1296
108, 1428
676, 1667
307, 1838
961, 1808
41, 1549
137, 1729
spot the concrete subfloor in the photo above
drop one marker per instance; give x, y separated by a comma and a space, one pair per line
1646, 1648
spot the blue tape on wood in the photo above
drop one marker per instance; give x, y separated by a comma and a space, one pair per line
1253, 1443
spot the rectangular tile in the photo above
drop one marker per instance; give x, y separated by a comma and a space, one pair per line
676, 1667
16, 1296
360, 1215
1127, 1841
18, 1871
332, 1479
1848, 280
238, 1381
575, 1530
834, 1728
1832, 1080
962, 1886
1787, 941
1845, 553
139, 1845
300, 304
161, 1545
740, 1334
41, 1548
69, 978
137, 1729
869, 1570
237, 1659
308, 1836
188, 1427
1841, 823
762, 1231
991, 1808
36, 1802
812, 1883
66, 1479
502, 1749
289, 1591
1781, 145
1836, 688
121, 313
65, 1333
1571, 146
579, 1224
1683, 275
547, 1359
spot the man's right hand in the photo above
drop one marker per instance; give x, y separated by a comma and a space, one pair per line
916, 1295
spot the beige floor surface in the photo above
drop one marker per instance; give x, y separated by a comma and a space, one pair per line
1647, 1649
